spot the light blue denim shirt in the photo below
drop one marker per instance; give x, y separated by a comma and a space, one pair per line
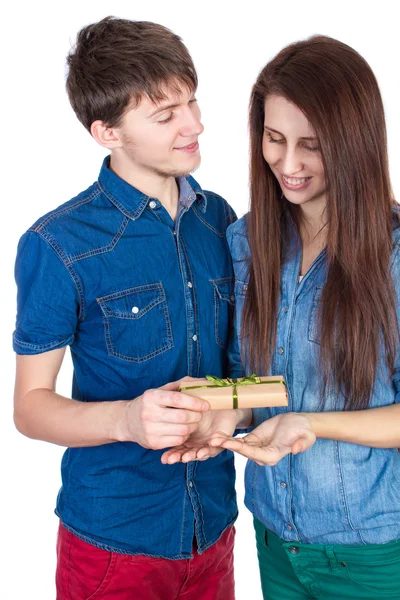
335, 492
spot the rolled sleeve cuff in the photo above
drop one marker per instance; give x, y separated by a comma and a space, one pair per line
22, 347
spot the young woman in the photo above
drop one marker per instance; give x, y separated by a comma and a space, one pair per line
317, 266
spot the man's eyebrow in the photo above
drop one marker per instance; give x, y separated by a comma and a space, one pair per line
311, 139
162, 108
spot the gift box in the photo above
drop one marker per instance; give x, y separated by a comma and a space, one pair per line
246, 392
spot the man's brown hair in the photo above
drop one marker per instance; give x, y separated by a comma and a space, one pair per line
116, 61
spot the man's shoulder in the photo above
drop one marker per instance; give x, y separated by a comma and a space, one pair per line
67, 211
83, 227
216, 208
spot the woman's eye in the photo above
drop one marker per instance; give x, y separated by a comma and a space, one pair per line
274, 140
312, 148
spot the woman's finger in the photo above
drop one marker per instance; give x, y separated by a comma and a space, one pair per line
263, 456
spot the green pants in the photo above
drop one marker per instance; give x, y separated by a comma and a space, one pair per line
297, 571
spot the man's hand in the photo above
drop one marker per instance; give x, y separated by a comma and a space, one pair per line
268, 443
215, 423
161, 418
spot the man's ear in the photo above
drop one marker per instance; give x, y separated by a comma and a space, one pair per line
105, 136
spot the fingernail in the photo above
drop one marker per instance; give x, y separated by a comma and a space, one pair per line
204, 457
205, 406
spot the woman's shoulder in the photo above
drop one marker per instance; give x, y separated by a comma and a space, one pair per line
395, 260
239, 227
237, 239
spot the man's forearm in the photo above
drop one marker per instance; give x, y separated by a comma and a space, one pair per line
44, 415
245, 417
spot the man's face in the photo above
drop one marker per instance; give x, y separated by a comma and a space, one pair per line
162, 138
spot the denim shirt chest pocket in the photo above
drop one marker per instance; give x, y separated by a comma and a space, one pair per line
137, 324
224, 302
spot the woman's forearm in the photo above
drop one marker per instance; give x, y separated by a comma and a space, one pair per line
375, 427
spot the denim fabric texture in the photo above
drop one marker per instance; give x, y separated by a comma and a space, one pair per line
335, 492
141, 300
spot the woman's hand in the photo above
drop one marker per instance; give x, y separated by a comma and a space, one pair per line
268, 443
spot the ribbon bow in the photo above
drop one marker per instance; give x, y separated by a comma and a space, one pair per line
229, 382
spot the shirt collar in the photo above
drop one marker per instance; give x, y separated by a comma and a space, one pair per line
131, 202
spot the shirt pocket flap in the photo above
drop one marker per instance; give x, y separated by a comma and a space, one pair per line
132, 303
224, 289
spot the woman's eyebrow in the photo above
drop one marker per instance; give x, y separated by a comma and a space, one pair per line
311, 139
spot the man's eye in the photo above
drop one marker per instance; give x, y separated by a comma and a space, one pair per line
167, 120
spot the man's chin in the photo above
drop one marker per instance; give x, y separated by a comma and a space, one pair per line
178, 172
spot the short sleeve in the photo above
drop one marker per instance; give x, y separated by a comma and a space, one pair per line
47, 298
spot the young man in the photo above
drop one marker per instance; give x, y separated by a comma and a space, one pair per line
134, 274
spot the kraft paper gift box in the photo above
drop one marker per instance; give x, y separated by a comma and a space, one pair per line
245, 392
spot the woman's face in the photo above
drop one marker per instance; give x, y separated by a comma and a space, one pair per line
291, 149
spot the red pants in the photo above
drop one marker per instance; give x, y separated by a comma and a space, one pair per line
86, 572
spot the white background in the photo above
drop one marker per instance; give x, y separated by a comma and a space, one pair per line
48, 157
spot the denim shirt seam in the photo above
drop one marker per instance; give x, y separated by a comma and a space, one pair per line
230, 215
43, 347
198, 215
133, 215
109, 548
104, 249
195, 311
200, 504
198, 511
183, 520
66, 261
62, 211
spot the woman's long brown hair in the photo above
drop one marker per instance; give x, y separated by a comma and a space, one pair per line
337, 91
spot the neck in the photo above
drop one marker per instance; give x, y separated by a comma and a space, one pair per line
312, 221
162, 187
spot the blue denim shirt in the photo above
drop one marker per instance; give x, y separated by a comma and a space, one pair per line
335, 492
141, 300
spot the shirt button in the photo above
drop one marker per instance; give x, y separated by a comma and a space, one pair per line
189, 284
233, 298
153, 204
135, 310
280, 350
191, 484
194, 338
289, 527
282, 484
286, 309
294, 549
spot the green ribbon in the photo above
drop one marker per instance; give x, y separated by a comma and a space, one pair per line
231, 382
